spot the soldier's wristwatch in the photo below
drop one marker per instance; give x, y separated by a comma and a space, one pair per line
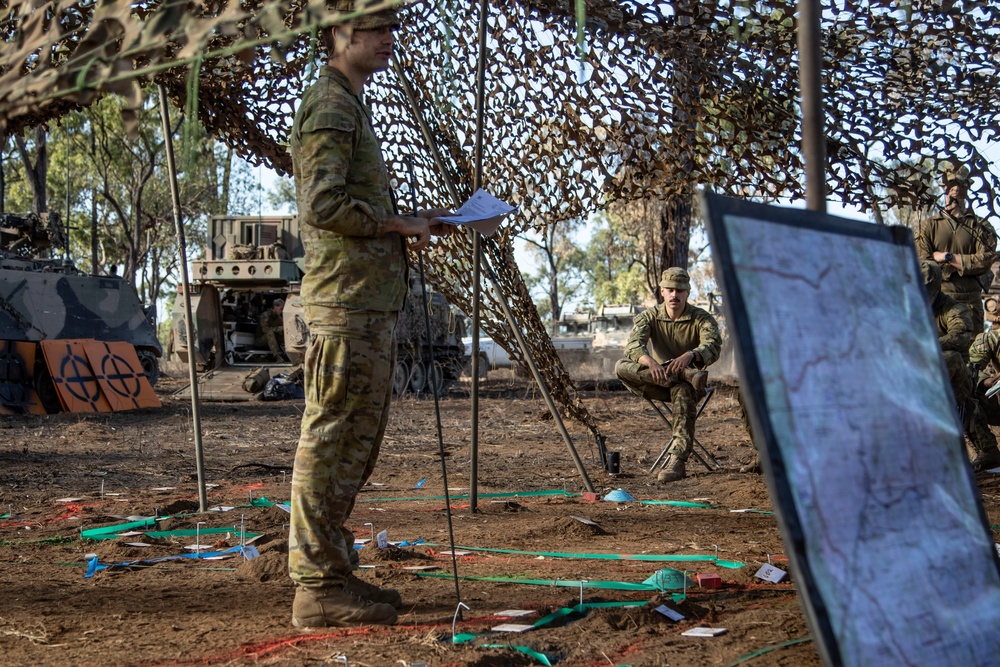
948, 257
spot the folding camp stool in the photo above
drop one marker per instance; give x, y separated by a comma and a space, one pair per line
707, 460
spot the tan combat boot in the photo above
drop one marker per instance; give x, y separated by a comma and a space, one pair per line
337, 608
363, 589
673, 472
697, 378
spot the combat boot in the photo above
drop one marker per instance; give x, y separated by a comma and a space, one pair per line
697, 378
673, 472
753, 466
985, 459
363, 589
337, 608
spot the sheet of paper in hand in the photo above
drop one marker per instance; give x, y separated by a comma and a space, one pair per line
482, 211
860, 439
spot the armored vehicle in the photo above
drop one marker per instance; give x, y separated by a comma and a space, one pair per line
250, 262
49, 299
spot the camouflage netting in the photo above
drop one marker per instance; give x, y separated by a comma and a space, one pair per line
668, 96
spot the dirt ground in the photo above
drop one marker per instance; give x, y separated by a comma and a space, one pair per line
63, 474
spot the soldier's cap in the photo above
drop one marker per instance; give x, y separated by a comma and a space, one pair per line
373, 21
932, 275
675, 278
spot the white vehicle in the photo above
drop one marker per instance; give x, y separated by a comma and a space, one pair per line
491, 355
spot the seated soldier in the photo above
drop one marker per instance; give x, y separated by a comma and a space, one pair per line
670, 346
954, 325
984, 356
271, 330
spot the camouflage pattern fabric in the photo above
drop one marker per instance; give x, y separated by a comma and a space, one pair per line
270, 329
655, 334
984, 359
343, 195
678, 392
975, 242
954, 325
348, 386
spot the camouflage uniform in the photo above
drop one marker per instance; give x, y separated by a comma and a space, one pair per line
270, 329
656, 335
975, 242
354, 286
954, 325
984, 358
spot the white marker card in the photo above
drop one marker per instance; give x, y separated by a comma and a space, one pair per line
514, 613
68, 500
456, 553
670, 613
162, 488
250, 552
131, 533
221, 508
371, 567
421, 568
512, 627
114, 494
700, 500
383, 539
199, 547
997, 547
362, 540
583, 520
770, 573
704, 632
136, 544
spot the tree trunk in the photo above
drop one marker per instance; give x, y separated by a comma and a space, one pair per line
675, 226
36, 173
94, 241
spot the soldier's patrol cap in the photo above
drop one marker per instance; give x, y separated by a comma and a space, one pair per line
932, 275
675, 278
380, 19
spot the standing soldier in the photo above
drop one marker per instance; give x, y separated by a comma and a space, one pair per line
670, 346
962, 244
354, 286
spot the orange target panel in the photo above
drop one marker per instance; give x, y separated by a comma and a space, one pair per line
119, 373
75, 381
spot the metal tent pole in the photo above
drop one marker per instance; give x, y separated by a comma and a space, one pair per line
811, 90
477, 256
186, 292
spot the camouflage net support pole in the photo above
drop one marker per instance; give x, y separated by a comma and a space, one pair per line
477, 259
811, 86
186, 292
500, 296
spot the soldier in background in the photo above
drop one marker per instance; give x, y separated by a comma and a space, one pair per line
962, 244
271, 330
670, 346
354, 286
984, 356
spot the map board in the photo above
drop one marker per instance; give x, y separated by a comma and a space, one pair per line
860, 441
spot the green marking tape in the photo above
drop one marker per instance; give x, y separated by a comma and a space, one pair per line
513, 494
680, 503
110, 532
566, 583
191, 532
755, 654
654, 558
540, 657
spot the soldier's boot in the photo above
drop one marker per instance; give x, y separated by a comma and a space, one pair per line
363, 589
981, 438
697, 378
672, 472
753, 466
337, 608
